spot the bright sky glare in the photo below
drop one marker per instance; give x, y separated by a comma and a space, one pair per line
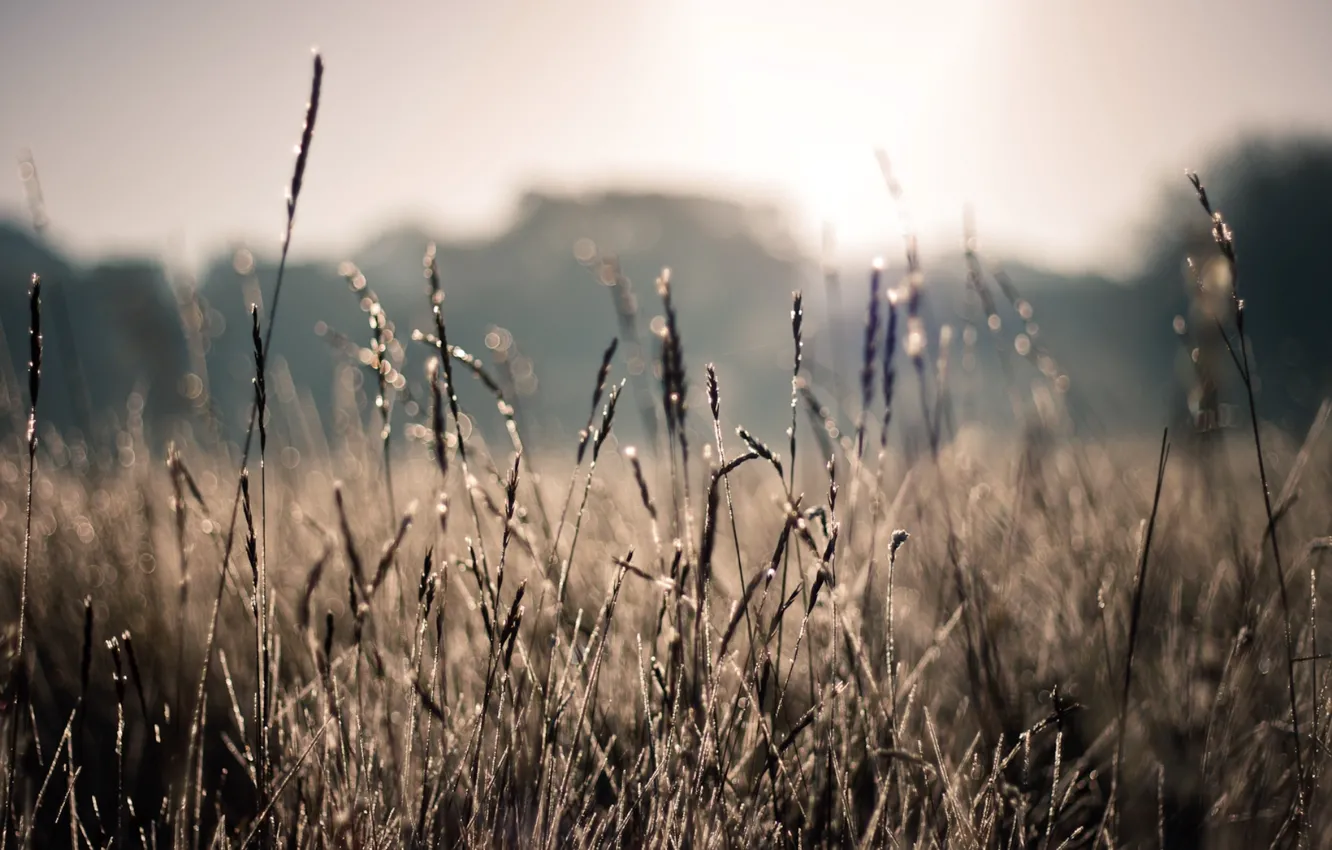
167, 127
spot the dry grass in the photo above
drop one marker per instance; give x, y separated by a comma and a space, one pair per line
1073, 644
624, 712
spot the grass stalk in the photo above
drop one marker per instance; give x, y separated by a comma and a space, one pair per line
193, 756
1225, 242
1135, 617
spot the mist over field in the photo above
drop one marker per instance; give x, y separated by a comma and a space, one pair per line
531, 304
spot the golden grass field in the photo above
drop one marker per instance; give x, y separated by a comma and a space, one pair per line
748, 634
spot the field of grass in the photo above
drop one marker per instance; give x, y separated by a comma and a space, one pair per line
784, 633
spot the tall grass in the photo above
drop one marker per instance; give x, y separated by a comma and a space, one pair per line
1225, 242
19, 673
1019, 677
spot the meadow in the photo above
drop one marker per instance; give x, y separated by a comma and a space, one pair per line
862, 627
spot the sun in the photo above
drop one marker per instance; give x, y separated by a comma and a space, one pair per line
900, 103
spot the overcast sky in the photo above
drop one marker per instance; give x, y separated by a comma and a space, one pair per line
167, 126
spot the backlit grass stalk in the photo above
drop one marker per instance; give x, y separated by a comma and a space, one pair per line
889, 381
198, 719
900, 537
714, 406
441, 342
85, 668
759, 448
119, 673
34, 390
585, 437
703, 574
136, 677
386, 376
798, 346
822, 576
1225, 241
599, 438
868, 356
431, 580
176, 473
868, 349
675, 389
644, 496
797, 323
438, 432
1135, 616
258, 564
260, 649
62, 744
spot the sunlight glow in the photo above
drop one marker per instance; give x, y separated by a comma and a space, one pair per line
1024, 107
811, 95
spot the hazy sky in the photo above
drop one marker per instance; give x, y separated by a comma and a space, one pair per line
168, 126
